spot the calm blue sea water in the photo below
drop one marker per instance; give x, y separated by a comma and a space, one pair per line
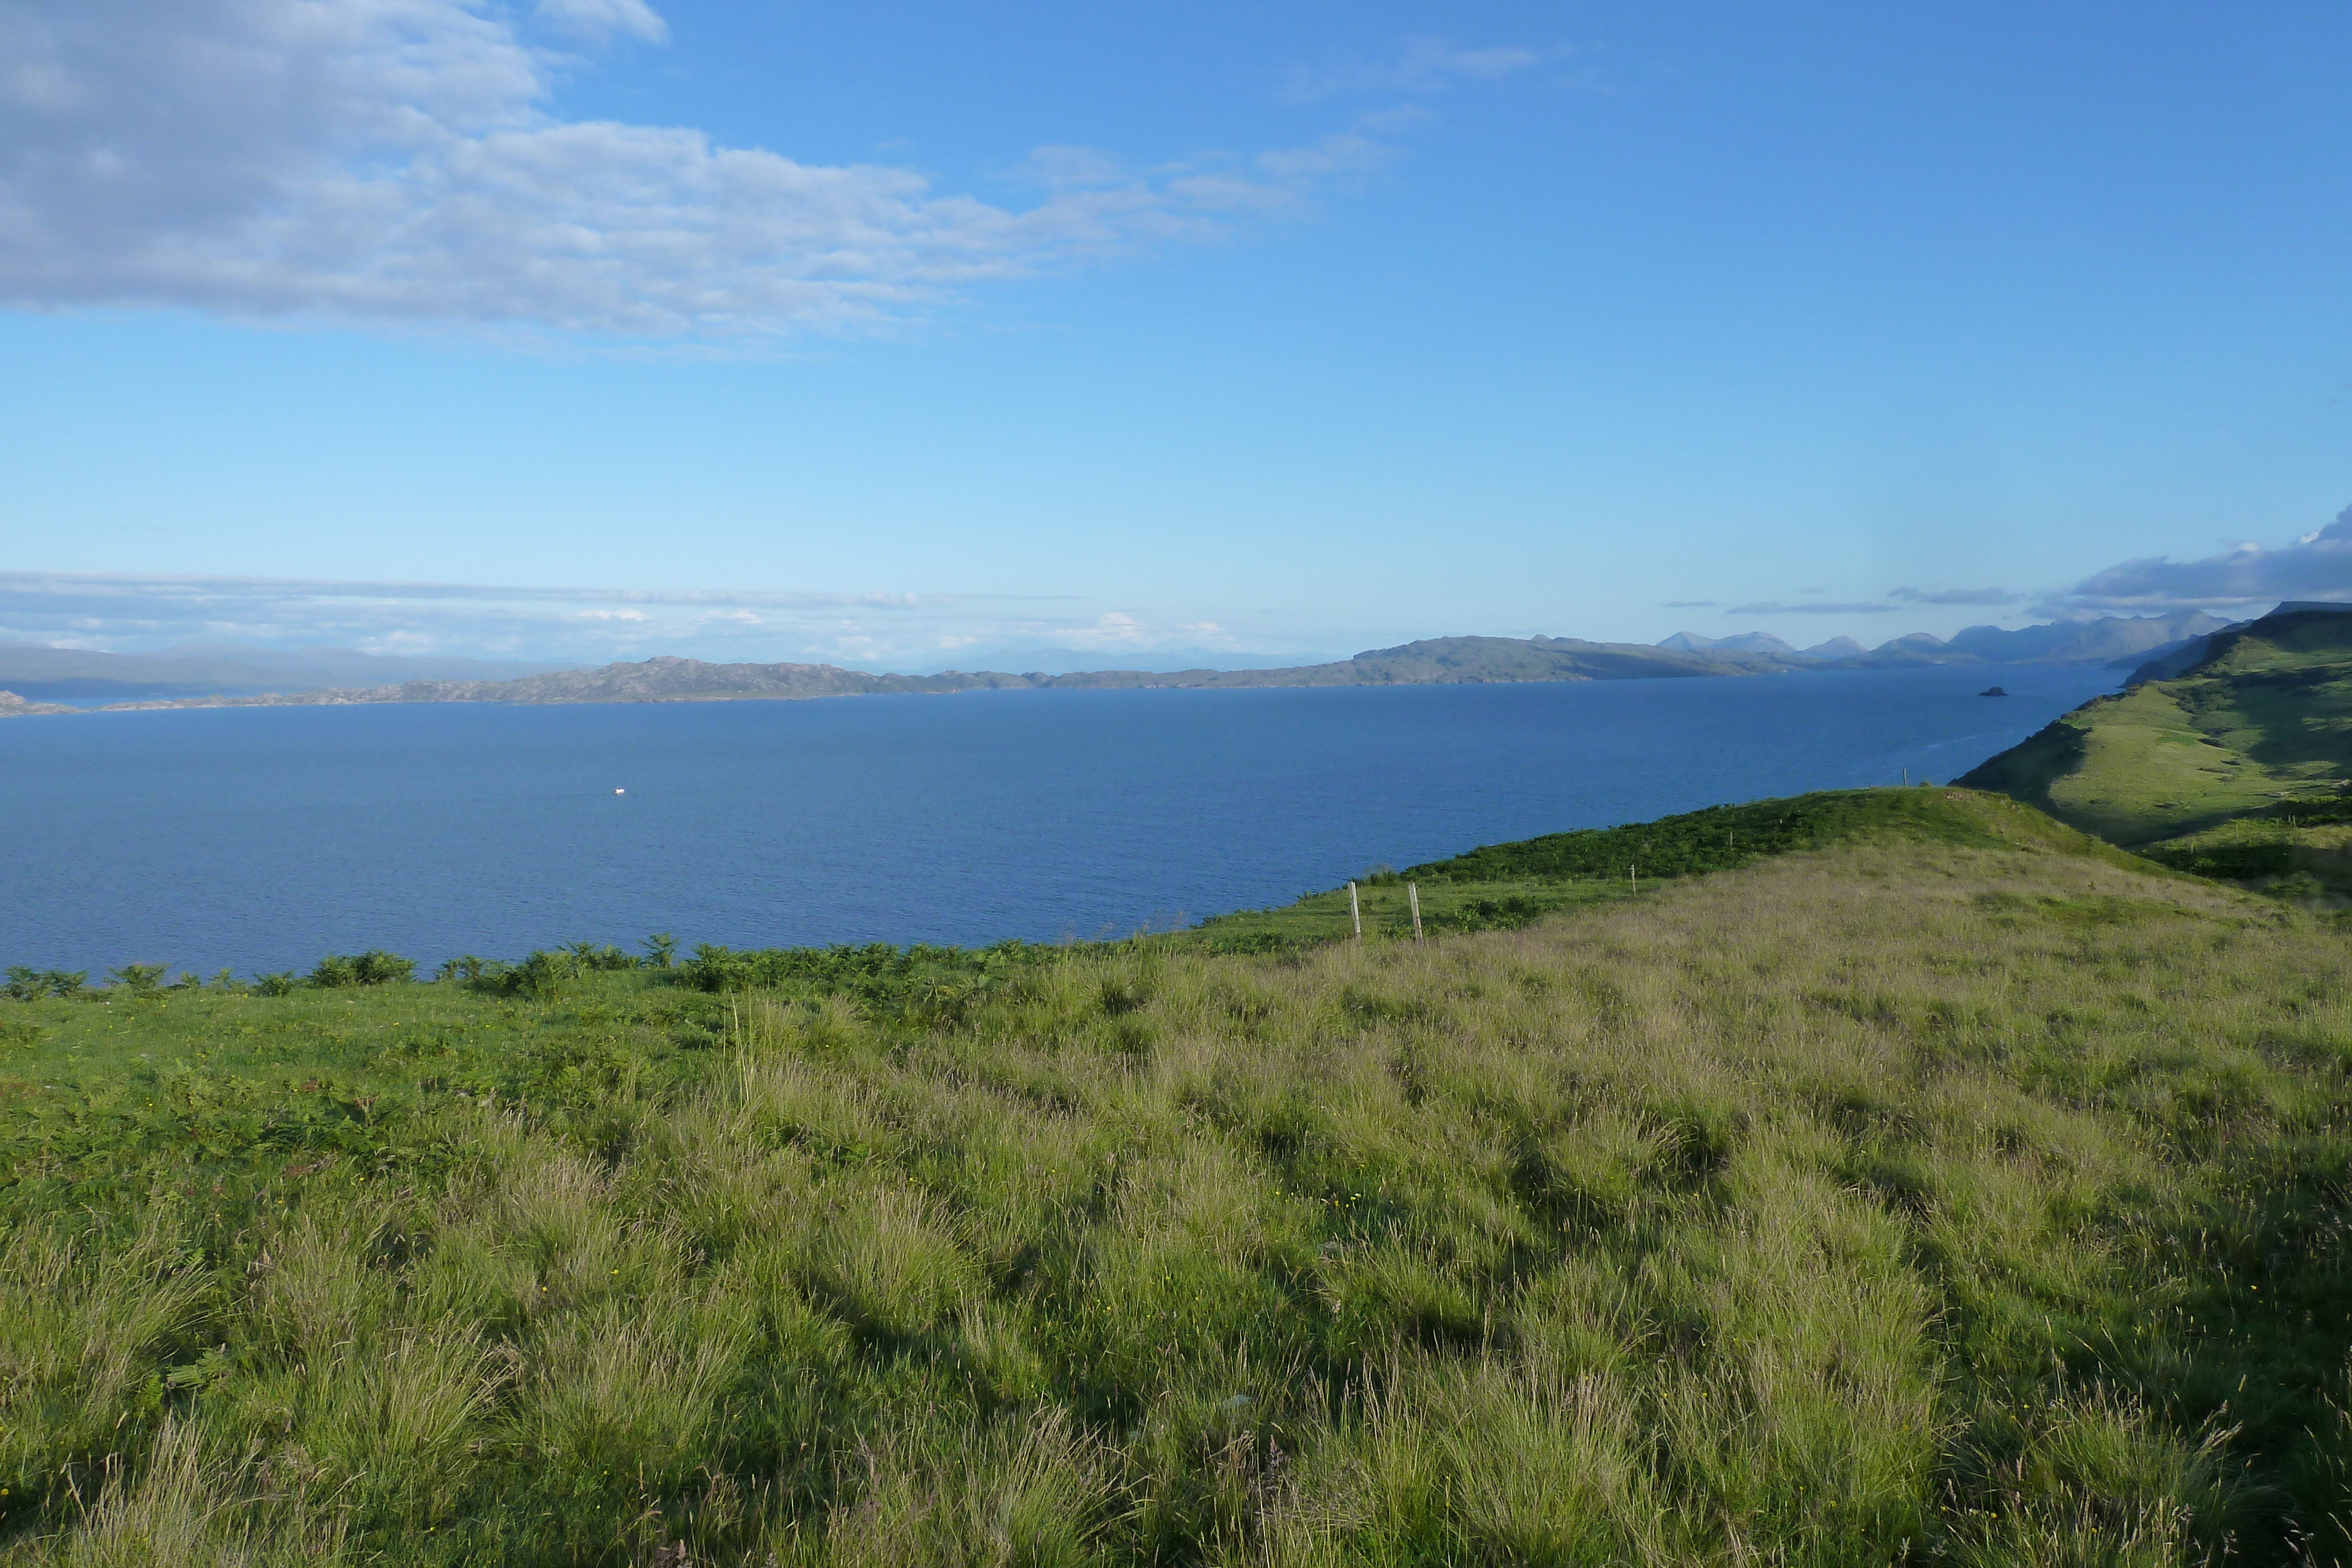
260, 838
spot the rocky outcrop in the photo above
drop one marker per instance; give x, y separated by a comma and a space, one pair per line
13, 706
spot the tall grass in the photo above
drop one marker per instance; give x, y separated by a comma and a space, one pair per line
1927, 1203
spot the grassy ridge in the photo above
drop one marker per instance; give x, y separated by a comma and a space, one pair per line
1723, 838
1951, 1193
1503, 886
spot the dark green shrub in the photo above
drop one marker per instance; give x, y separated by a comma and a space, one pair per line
278, 984
377, 967
2312, 813
2299, 885
26, 985
139, 979
937, 984
540, 976
713, 968
333, 972
2229, 861
1256, 942
661, 950
65, 982
373, 967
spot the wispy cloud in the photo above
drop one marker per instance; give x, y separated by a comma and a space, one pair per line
1773, 607
904, 631
1956, 596
397, 162
2316, 565
1691, 605
1425, 64
600, 21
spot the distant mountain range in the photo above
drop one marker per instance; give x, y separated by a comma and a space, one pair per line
1435, 661
1836, 648
2116, 639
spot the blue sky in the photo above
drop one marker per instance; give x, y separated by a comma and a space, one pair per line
899, 334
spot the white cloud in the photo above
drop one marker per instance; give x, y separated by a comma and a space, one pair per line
1114, 629
397, 162
1063, 168
2317, 565
1956, 596
599, 21
1340, 154
906, 631
1425, 64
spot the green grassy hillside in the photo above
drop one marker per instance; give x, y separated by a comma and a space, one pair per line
1501, 886
1944, 1188
2221, 769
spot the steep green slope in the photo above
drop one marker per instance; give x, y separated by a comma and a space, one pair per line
2252, 743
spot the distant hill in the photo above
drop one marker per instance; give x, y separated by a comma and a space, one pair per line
1045, 658
1829, 653
1436, 661
159, 681
2106, 641
204, 673
2235, 765
34, 670
1743, 642
1917, 648
13, 706
2099, 642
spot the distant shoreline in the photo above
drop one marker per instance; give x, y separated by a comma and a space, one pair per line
1443, 660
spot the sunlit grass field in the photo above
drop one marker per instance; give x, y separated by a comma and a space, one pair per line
1952, 1191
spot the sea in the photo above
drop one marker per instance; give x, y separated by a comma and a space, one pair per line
261, 839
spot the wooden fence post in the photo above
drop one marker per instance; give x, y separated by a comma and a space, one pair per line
1356, 913
1412, 896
